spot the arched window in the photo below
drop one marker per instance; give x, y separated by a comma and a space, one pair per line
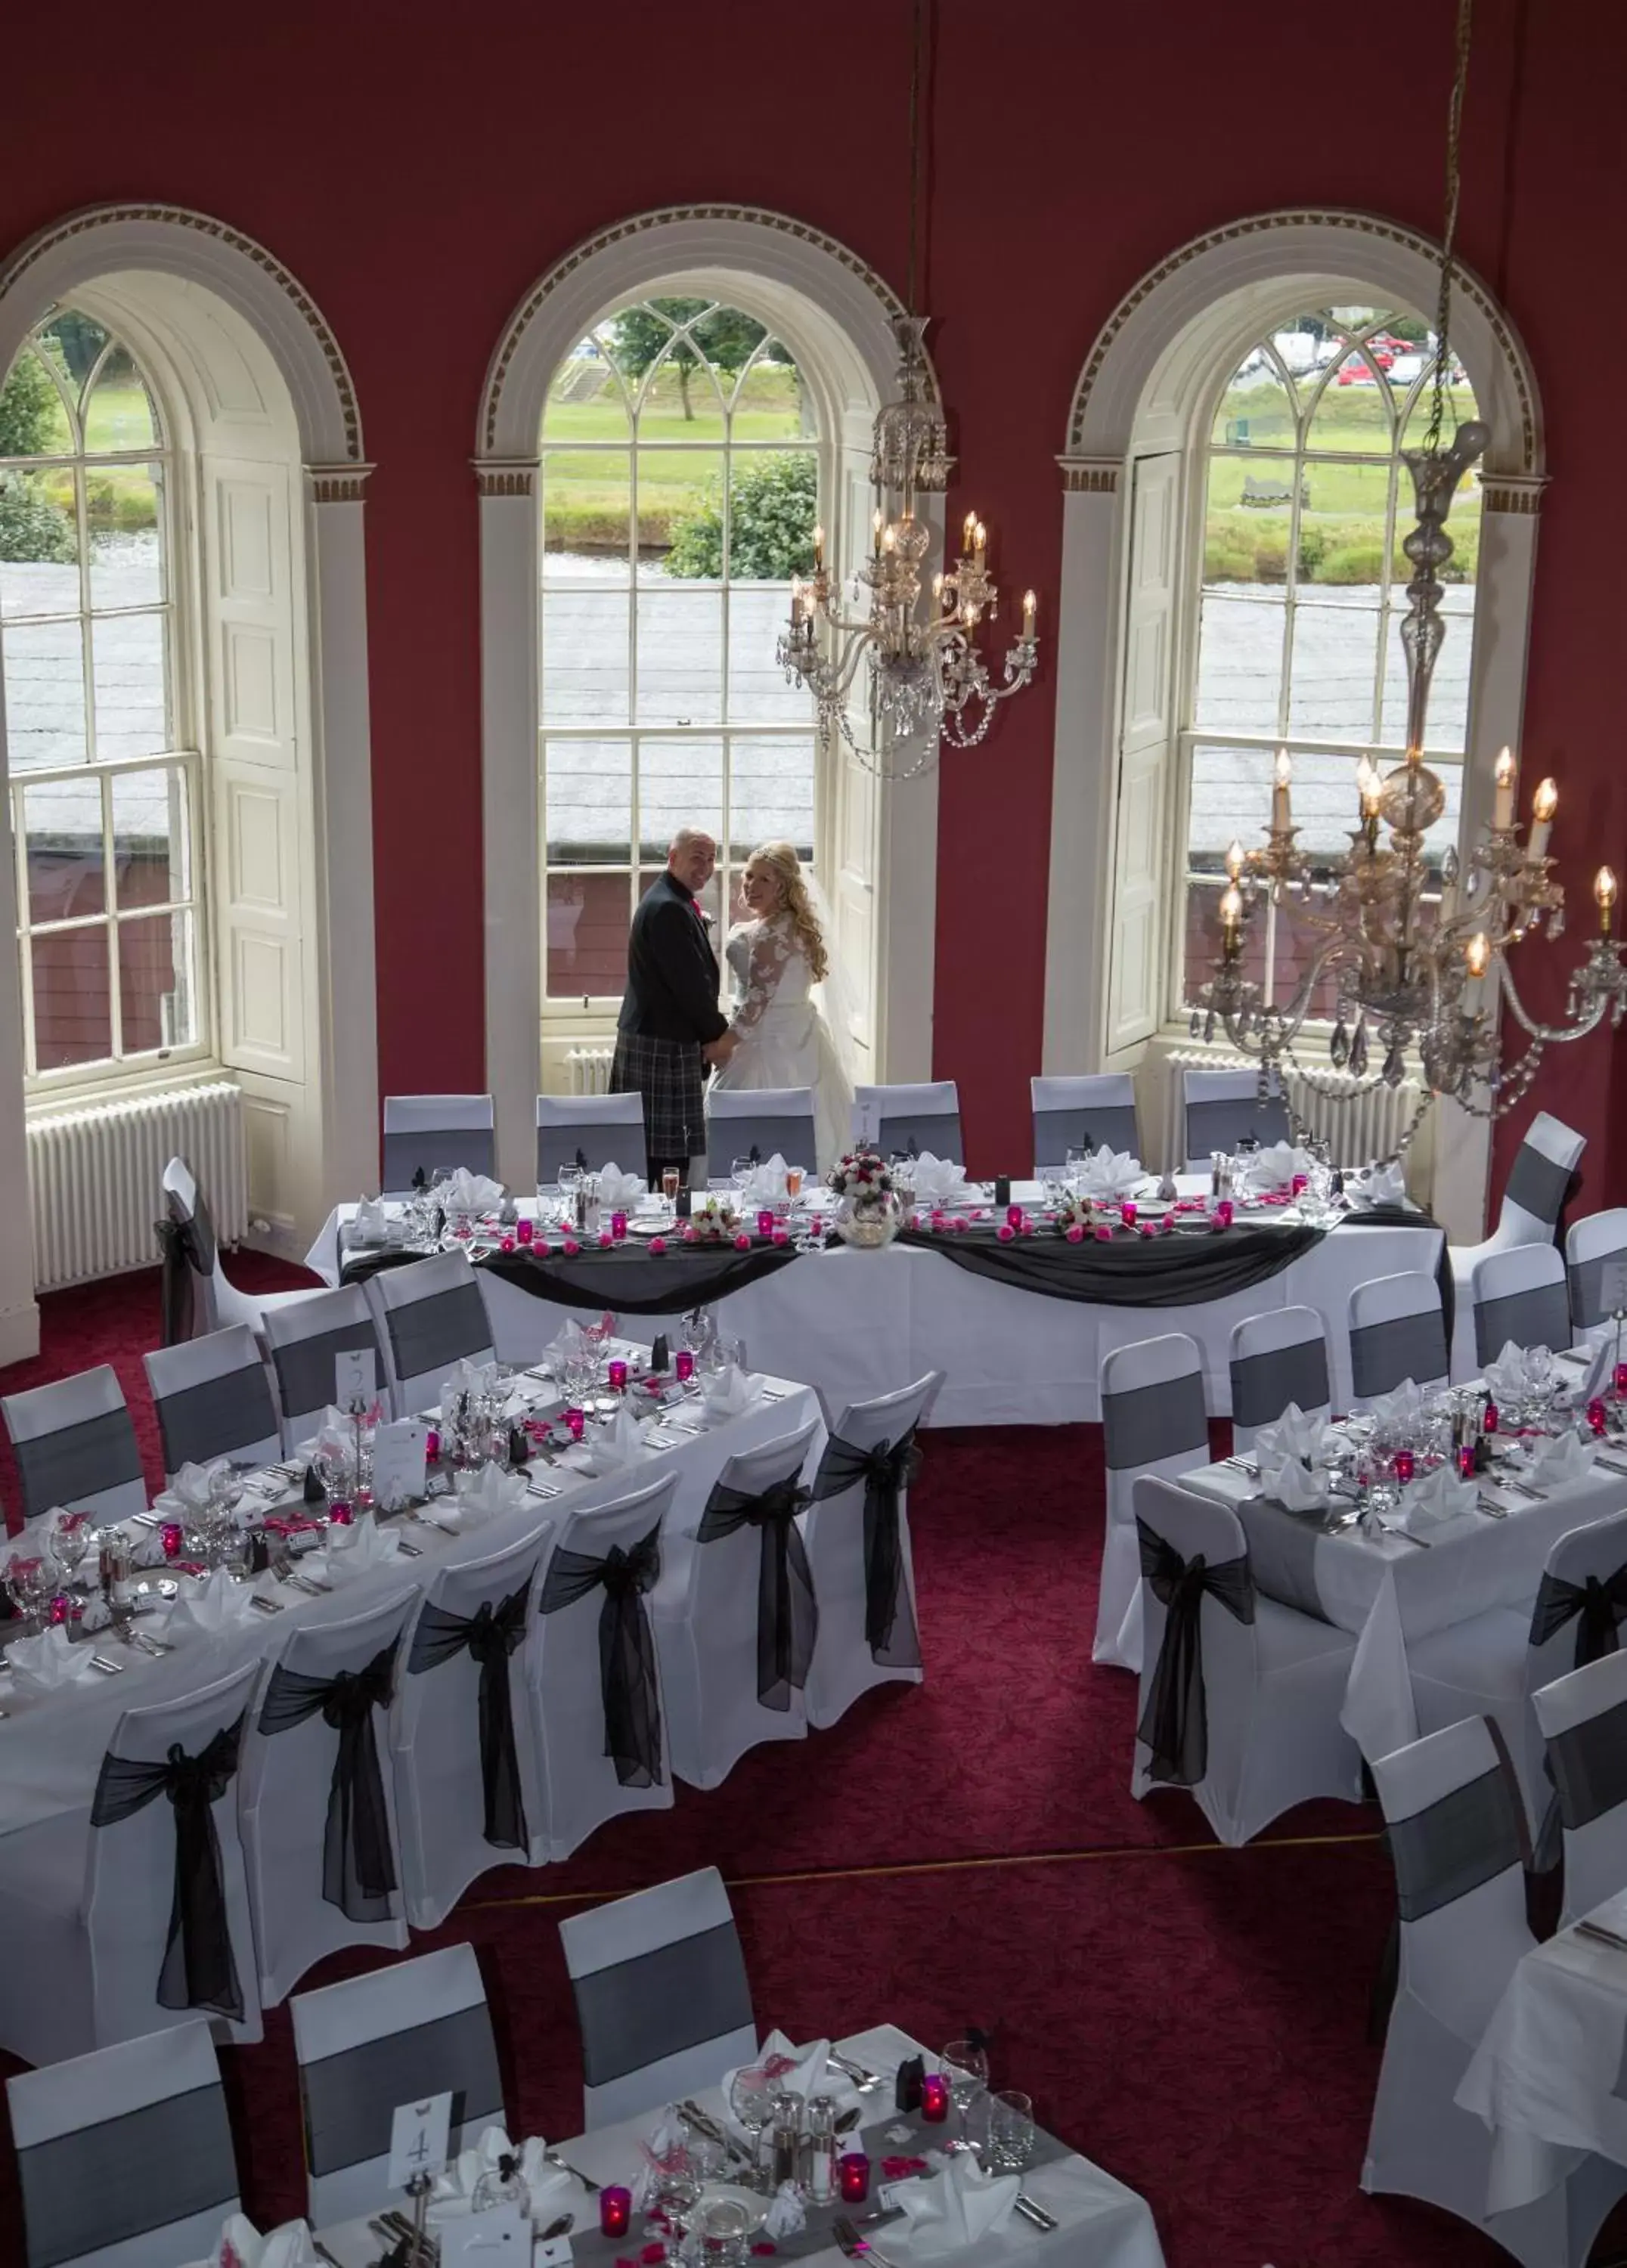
681, 478
101, 744
1299, 598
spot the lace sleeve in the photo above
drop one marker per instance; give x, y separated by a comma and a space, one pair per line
770, 949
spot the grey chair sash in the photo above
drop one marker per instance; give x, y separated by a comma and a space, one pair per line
590, 1144
1539, 1317
1593, 1285
1597, 1604
1537, 1184
939, 1131
77, 1461
729, 1138
1263, 1385
215, 1417
437, 1153
430, 1335
1588, 1766
629, 1683
1406, 1346
1281, 1554
358, 1856
1104, 1126
305, 1369
787, 1611
350, 2098
1222, 1125
640, 2011
1148, 1423
126, 2176
1174, 1723
1452, 1846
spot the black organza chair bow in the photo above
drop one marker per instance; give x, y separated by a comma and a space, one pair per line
1175, 1724
787, 1615
187, 1249
198, 1971
632, 1698
358, 1865
1597, 1606
887, 1471
489, 1637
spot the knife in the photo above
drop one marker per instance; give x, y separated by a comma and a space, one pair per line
1036, 2214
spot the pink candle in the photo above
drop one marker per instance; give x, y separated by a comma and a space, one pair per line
618, 1226
617, 1374
765, 1221
575, 1420
1466, 1461
615, 2210
431, 1445
1598, 1417
1621, 1378
1223, 1213
1013, 1216
169, 1536
525, 1231
683, 1366
1127, 1212
934, 2098
855, 2172
1406, 1465
1489, 1422
339, 1511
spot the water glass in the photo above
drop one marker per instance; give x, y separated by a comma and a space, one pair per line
1010, 2132
725, 2227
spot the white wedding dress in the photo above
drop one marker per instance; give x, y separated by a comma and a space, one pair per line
783, 1039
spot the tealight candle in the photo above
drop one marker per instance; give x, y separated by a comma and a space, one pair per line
1488, 1422
1223, 1213
1466, 1461
855, 2173
615, 2210
618, 1226
525, 1230
169, 1536
505, 1244
617, 1375
431, 1445
683, 1366
934, 2098
341, 1512
1621, 1378
1300, 1184
1127, 1212
575, 1421
1598, 1417
1406, 1465
765, 1220
1013, 1216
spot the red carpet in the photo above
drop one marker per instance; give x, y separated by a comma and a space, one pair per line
1191, 2018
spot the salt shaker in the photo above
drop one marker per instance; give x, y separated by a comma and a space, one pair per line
819, 2150
785, 2138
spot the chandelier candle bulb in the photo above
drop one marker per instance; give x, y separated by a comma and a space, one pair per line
1028, 612
1544, 803
819, 550
1604, 894
1282, 816
1503, 814
968, 533
981, 542
1234, 860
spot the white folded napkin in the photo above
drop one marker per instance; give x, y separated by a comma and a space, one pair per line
765, 1184
334, 1439
1276, 1166
351, 1551
940, 1182
467, 1192
370, 1223
454, 2187
952, 2211
1439, 1495
1599, 1360
206, 1604
45, 1663
1380, 1185
1109, 1174
471, 1378
564, 1349
1558, 1463
730, 1392
1402, 1407
240, 2245
620, 1192
189, 1489
1508, 1377
611, 1448
1293, 1487
805, 2071
478, 1499
1294, 1435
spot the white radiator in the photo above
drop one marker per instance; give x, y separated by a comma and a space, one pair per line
96, 1177
589, 1069
1355, 1132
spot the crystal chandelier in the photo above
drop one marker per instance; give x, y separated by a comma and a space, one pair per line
912, 661
1413, 971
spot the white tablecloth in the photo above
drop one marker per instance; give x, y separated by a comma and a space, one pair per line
859, 1323
1387, 1590
1549, 2077
1103, 2224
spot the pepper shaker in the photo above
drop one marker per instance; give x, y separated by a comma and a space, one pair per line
785, 2138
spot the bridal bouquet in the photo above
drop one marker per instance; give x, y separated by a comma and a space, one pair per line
714, 1222
862, 1180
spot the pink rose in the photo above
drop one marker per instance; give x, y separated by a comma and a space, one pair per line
604, 1240
1147, 1230
1076, 1235
572, 1247
507, 1244
540, 1246
1104, 1235
742, 1242
780, 1237
1006, 1233
658, 1245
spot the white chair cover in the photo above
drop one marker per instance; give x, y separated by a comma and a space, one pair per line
592, 1130
1153, 1420
435, 1134
317, 1808
926, 1113
1221, 1109
1454, 1838
1595, 1252
75, 1446
1072, 1114
739, 1120
214, 1400
394, 2035
1277, 1358
215, 1300
712, 1611
431, 1316
596, 1689
304, 1342
661, 1995
1520, 1294
124, 2156
1533, 1199
869, 1633
1266, 1683
1396, 1331
1584, 1720
467, 1797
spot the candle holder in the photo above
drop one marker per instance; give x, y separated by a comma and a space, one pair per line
683, 1366
618, 1226
615, 2210
1598, 1415
1406, 1465
575, 1421
934, 2098
170, 1539
523, 1231
616, 1375
1466, 1461
1127, 1213
765, 1220
854, 2175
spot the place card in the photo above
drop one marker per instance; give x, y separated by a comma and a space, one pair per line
401, 1452
355, 1377
419, 2133
497, 2238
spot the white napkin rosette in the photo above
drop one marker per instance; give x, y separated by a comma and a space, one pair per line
550, 2186
477, 1498
940, 1183
1109, 1175
207, 1604
765, 1184
46, 1663
613, 1448
561, 1352
1556, 1463
1294, 1435
189, 1491
467, 1192
354, 1549
1293, 1487
370, 1223
469, 1377
1380, 1185
620, 1192
730, 1392
240, 2245
1275, 1166
805, 2071
1403, 1408
955, 2210
1507, 1378
1441, 1496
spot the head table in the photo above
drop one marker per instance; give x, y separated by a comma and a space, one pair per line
1019, 1326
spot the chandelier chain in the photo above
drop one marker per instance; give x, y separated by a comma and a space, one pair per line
1448, 234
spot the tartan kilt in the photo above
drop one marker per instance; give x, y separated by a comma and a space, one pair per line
670, 1076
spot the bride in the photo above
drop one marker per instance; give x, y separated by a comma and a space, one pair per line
777, 959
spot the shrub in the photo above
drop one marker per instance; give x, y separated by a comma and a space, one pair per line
29, 410
31, 527
773, 506
1353, 563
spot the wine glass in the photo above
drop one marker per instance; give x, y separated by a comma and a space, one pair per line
64, 1544
964, 2064
751, 2099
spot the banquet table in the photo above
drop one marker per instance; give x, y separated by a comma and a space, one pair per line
859, 1323
1388, 1588
1549, 2077
51, 1745
1103, 2223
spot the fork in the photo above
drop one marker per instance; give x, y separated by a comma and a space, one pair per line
1597, 1931
862, 2079
554, 2159
856, 2247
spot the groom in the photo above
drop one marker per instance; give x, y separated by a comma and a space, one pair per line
670, 1026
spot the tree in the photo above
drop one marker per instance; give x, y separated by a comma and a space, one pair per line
725, 337
774, 503
29, 408
31, 527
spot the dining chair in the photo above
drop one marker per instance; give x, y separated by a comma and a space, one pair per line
1221, 1109
197, 1294
1595, 1252
435, 1134
1096, 1113
595, 1671
1396, 1331
1277, 1358
590, 1130
213, 1399
856, 1531
305, 1342
1452, 1817
391, 2035
1583, 1717
124, 2156
75, 1444
762, 1120
662, 1997
925, 1115
1153, 1420
735, 1616
1540, 1181
1520, 1295
468, 1793
1239, 1695
317, 1810
431, 1316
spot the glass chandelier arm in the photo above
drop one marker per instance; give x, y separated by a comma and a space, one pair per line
1588, 1020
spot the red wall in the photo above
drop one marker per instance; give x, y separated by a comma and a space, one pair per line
418, 169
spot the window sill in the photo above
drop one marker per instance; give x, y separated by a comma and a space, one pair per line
44, 1101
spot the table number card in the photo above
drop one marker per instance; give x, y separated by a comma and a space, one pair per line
399, 1456
355, 1377
1613, 1284
419, 2133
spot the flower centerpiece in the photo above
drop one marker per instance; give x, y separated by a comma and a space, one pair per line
713, 1221
1075, 1215
867, 1208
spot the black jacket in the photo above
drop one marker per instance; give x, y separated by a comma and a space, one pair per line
671, 971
